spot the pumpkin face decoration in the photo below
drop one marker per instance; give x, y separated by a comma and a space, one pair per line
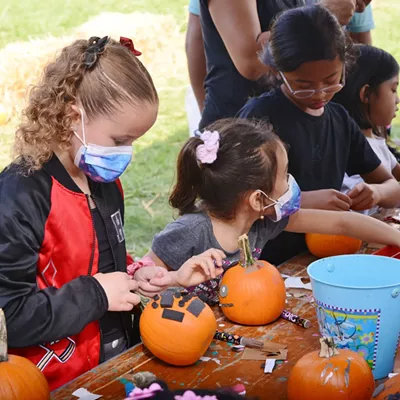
331, 375
252, 292
331, 245
390, 390
19, 377
177, 329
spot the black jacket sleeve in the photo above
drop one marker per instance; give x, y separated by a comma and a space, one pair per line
37, 316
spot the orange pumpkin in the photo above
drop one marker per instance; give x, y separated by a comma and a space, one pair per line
390, 390
331, 375
19, 377
177, 329
252, 292
331, 245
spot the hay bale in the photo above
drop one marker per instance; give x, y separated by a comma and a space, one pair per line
156, 36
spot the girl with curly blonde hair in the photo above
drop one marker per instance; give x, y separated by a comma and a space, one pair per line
64, 285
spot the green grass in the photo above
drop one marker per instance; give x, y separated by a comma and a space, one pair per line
22, 19
151, 174
387, 35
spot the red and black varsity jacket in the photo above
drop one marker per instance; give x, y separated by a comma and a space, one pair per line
48, 256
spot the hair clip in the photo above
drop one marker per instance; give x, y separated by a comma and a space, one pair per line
126, 42
207, 153
95, 48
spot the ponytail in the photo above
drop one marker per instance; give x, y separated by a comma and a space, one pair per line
245, 161
189, 178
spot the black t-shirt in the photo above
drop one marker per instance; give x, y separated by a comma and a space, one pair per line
320, 151
226, 90
111, 323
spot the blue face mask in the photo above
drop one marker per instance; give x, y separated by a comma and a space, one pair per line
102, 164
288, 203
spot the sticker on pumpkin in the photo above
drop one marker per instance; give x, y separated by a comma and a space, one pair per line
356, 330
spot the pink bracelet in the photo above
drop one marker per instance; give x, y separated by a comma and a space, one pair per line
135, 266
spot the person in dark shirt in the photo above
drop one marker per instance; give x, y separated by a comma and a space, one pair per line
234, 32
307, 53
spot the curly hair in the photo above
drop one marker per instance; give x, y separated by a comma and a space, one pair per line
117, 77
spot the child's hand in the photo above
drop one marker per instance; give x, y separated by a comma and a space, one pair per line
326, 199
342, 9
198, 269
364, 196
144, 277
118, 287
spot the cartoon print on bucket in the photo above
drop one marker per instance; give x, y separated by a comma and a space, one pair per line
356, 330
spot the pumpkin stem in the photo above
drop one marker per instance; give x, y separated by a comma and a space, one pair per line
3, 337
328, 348
246, 255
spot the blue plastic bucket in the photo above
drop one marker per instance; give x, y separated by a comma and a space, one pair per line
358, 304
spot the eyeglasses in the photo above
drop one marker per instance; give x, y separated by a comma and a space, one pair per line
307, 93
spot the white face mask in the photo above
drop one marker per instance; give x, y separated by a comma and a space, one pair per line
100, 163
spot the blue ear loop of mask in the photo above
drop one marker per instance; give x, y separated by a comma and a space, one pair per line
288, 203
100, 163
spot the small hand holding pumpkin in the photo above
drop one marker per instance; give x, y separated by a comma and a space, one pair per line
364, 196
118, 287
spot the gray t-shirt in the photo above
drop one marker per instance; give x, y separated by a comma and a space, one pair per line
192, 234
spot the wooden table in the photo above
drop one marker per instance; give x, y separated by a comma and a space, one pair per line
108, 379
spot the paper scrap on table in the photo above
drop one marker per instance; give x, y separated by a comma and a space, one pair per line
84, 394
270, 351
392, 375
206, 359
296, 283
269, 366
297, 293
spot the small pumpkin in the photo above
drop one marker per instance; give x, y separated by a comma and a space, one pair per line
331, 375
19, 378
177, 329
390, 390
331, 245
252, 292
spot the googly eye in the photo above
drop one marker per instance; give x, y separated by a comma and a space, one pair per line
223, 291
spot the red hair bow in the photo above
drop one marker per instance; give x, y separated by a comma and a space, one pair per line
126, 42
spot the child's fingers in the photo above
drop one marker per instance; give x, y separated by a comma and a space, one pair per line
150, 287
210, 266
202, 262
217, 255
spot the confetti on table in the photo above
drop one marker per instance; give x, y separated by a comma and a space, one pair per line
269, 366
83, 394
296, 283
